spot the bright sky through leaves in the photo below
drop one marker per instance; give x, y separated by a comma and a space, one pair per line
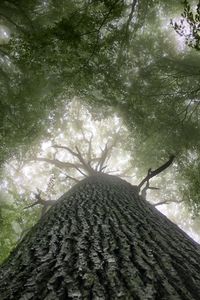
4, 34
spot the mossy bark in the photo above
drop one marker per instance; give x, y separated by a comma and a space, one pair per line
102, 241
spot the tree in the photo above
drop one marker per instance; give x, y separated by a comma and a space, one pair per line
113, 55
58, 168
55, 168
102, 241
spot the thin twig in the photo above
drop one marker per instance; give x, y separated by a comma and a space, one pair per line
168, 202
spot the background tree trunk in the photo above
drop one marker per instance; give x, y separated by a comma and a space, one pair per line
102, 241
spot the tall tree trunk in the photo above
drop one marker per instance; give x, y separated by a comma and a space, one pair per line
102, 241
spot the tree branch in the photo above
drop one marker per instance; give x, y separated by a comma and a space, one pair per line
102, 159
83, 164
133, 5
72, 178
86, 166
156, 172
66, 148
44, 203
167, 202
58, 163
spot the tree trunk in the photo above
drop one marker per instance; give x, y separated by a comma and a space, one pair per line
102, 241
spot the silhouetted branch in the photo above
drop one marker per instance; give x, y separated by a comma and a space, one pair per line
156, 172
66, 148
58, 163
144, 191
90, 150
86, 165
133, 5
102, 159
82, 165
40, 201
168, 202
195, 109
72, 178
186, 110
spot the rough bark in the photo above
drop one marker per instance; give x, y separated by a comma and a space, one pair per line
102, 241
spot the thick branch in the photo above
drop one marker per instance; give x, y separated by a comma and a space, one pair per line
103, 157
86, 166
82, 165
157, 171
90, 150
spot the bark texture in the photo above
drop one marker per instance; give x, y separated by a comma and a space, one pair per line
102, 241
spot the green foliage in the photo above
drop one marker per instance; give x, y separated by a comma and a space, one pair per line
14, 221
191, 175
8, 235
45, 61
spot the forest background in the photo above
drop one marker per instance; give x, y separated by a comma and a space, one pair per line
98, 75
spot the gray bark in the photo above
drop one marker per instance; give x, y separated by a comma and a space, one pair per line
102, 241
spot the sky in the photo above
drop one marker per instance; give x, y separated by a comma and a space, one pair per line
4, 34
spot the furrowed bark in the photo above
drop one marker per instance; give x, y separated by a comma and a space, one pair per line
102, 241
